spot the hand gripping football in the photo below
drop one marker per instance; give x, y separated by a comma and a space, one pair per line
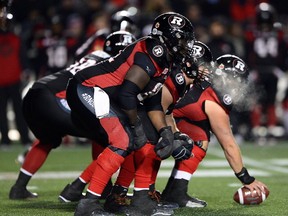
243, 196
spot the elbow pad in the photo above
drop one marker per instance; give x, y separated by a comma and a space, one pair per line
127, 97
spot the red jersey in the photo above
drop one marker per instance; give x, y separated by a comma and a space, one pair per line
189, 112
148, 53
10, 61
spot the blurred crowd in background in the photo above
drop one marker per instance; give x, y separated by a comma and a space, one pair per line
52, 30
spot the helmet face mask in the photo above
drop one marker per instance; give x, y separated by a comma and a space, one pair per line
201, 63
176, 32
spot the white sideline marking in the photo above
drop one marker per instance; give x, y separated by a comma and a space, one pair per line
207, 163
161, 174
252, 163
280, 162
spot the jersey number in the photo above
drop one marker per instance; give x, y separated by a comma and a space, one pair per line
264, 48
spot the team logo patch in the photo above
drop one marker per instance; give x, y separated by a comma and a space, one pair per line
157, 51
227, 99
176, 21
179, 78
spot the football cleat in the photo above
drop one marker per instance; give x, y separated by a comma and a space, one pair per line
178, 194
156, 195
20, 192
90, 207
70, 194
195, 202
116, 203
143, 204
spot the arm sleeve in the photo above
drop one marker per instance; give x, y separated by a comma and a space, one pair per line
128, 95
143, 61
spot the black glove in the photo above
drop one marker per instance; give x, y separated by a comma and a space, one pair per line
164, 147
139, 136
184, 137
182, 146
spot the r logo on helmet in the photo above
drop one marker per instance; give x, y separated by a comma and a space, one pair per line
239, 65
176, 21
127, 39
198, 51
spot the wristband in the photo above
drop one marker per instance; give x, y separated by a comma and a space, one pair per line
244, 176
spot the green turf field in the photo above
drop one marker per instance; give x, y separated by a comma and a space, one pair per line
213, 182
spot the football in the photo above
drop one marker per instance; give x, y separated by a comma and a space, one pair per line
244, 196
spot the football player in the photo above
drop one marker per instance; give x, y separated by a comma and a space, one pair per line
48, 115
104, 97
211, 104
267, 58
145, 159
120, 21
174, 88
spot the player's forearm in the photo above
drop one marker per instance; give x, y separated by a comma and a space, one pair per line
171, 122
157, 118
234, 158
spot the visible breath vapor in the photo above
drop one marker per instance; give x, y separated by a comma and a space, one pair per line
244, 95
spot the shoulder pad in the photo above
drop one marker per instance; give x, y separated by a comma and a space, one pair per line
225, 99
178, 83
157, 51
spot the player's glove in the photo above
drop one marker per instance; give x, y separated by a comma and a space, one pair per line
182, 146
139, 136
164, 147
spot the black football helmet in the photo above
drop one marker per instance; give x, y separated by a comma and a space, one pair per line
123, 20
231, 67
117, 41
176, 32
201, 56
265, 15
230, 81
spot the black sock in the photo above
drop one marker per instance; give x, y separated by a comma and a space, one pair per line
23, 179
91, 196
78, 184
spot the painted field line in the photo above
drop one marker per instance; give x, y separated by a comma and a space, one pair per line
251, 162
162, 173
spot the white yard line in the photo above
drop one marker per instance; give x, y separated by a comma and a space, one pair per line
269, 165
217, 168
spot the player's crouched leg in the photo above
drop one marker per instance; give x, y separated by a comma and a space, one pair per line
178, 194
